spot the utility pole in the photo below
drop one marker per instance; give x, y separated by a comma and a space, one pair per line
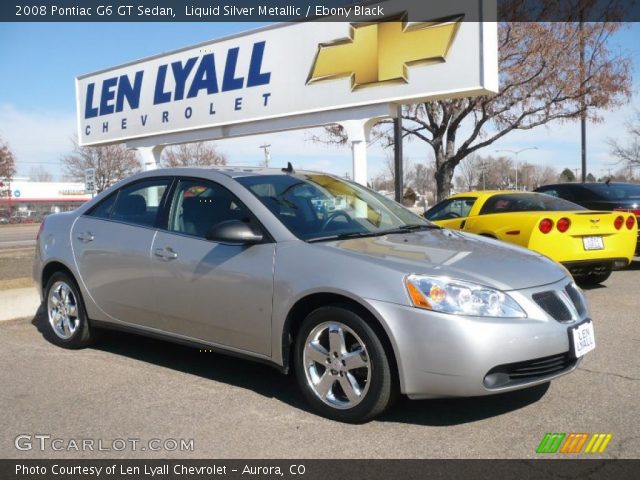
267, 153
483, 166
397, 155
516, 153
583, 102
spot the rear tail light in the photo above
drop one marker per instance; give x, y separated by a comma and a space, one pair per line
563, 225
631, 221
546, 225
618, 222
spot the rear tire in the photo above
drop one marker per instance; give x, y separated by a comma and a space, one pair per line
341, 366
67, 323
593, 279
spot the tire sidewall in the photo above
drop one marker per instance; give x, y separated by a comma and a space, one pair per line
82, 336
379, 393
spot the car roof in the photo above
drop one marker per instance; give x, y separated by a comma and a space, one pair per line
588, 184
490, 193
230, 171
240, 171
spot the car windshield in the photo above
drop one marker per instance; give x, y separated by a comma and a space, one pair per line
527, 202
322, 207
616, 192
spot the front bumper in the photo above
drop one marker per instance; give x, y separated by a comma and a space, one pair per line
441, 355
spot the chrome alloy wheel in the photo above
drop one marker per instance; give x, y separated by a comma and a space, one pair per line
337, 365
62, 309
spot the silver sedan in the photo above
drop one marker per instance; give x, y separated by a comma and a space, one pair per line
360, 297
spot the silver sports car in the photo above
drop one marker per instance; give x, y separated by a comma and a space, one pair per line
306, 271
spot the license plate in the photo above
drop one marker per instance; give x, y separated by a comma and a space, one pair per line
583, 338
592, 243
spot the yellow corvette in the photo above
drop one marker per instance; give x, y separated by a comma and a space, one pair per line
590, 244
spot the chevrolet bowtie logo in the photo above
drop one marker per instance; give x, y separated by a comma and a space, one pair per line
377, 53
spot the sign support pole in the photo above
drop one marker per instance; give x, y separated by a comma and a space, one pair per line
150, 156
359, 134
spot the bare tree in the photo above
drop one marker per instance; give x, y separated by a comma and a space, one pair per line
420, 177
540, 81
541, 175
7, 161
382, 181
624, 174
40, 174
7, 169
193, 154
469, 173
111, 162
628, 152
499, 173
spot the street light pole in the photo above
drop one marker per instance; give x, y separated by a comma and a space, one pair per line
583, 103
516, 153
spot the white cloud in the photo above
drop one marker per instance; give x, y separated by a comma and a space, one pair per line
40, 138
37, 138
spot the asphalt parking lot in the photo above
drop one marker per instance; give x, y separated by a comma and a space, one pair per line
132, 387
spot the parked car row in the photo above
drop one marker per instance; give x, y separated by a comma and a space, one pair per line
21, 217
589, 243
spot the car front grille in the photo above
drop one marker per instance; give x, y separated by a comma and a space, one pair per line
551, 303
522, 372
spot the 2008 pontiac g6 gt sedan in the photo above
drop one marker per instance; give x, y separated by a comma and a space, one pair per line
306, 271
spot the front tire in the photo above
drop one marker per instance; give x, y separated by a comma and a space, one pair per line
342, 367
67, 323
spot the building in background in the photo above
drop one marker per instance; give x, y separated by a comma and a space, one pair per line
25, 201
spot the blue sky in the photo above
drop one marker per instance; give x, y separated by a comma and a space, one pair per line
37, 99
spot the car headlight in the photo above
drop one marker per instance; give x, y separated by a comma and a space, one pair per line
445, 295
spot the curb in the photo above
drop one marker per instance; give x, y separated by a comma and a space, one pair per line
18, 303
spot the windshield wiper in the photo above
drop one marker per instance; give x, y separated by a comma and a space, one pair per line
400, 229
409, 228
342, 236
418, 226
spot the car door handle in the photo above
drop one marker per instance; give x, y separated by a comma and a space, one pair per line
86, 237
166, 253
463, 223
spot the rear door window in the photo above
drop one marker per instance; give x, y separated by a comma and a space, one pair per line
140, 203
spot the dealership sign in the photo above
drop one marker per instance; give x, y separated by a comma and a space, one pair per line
289, 70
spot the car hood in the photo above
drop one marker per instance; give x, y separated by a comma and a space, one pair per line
458, 255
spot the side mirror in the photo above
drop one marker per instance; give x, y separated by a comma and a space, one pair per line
234, 232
